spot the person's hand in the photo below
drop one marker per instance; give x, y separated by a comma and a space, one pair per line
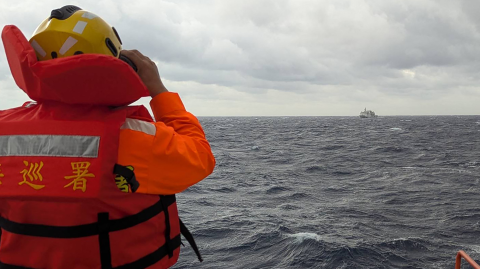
147, 71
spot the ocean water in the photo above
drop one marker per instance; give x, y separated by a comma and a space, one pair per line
336, 192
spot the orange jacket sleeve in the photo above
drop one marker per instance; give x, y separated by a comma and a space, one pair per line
169, 155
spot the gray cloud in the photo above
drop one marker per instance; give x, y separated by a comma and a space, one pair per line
349, 51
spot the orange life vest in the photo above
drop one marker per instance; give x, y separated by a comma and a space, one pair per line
59, 204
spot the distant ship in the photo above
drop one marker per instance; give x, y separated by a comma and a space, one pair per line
367, 114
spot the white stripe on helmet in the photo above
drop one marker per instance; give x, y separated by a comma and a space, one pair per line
79, 27
38, 48
89, 15
67, 45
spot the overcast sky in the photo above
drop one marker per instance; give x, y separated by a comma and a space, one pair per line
292, 57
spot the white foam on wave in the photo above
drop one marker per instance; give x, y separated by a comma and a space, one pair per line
304, 236
474, 248
395, 129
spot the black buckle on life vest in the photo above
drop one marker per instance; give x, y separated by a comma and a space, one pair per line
128, 174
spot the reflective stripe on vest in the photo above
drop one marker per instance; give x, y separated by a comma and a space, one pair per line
49, 145
139, 125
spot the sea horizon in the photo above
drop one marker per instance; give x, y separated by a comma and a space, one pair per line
354, 116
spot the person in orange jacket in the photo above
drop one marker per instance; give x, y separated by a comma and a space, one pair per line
175, 144
64, 146
167, 156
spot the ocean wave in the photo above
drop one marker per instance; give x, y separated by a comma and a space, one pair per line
289, 207
345, 194
333, 147
277, 190
301, 237
315, 168
341, 172
336, 188
390, 254
474, 217
406, 244
297, 195
391, 149
222, 189
204, 202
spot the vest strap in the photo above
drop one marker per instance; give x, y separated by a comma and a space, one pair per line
10, 266
102, 228
141, 263
85, 229
167, 228
186, 233
153, 257
104, 241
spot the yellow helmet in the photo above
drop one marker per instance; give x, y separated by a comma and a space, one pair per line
70, 31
